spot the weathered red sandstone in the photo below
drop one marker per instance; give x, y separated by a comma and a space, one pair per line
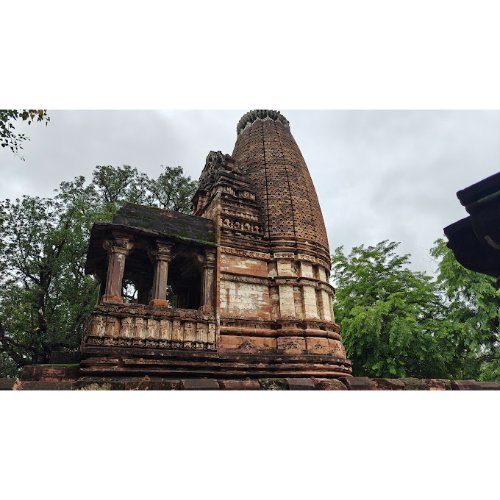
250, 272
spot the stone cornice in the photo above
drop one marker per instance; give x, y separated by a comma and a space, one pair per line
260, 114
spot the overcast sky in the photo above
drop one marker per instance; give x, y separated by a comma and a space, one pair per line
379, 174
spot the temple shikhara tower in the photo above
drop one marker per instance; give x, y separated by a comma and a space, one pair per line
240, 288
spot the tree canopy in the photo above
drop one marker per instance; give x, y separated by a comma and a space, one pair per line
44, 293
8, 135
399, 323
472, 302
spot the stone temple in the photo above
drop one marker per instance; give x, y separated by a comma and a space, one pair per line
238, 289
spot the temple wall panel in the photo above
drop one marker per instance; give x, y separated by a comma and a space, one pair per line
322, 274
292, 345
326, 304
337, 348
285, 268
246, 343
243, 265
318, 345
310, 302
299, 305
306, 270
287, 303
275, 301
247, 300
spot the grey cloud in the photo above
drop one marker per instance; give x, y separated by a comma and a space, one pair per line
379, 174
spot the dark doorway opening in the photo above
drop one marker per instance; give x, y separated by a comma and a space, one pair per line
184, 282
138, 278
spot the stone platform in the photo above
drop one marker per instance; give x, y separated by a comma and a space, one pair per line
69, 377
98, 361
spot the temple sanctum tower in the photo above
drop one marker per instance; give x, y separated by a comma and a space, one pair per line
238, 289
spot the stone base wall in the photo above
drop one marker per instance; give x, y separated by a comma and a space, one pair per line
52, 382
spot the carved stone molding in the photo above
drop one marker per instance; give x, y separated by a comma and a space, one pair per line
244, 278
210, 259
245, 253
119, 245
161, 251
284, 255
260, 114
145, 331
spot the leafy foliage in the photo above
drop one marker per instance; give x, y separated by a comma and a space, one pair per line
472, 302
44, 293
400, 323
8, 136
391, 317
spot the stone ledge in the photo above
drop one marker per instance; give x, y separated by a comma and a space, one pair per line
329, 384
473, 385
239, 385
358, 383
388, 384
7, 384
38, 385
51, 372
272, 383
301, 384
200, 384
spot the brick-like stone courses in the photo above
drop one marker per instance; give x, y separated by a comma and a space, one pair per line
270, 157
274, 294
296, 383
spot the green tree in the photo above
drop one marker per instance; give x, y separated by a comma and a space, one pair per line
8, 135
472, 302
171, 190
44, 293
393, 320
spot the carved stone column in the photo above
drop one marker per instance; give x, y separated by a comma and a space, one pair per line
207, 294
118, 248
162, 256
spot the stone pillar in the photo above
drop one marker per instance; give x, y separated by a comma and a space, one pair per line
162, 256
118, 249
207, 294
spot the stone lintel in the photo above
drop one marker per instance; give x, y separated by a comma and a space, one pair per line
245, 253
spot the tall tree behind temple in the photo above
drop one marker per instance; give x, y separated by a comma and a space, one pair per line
472, 303
393, 322
400, 323
44, 294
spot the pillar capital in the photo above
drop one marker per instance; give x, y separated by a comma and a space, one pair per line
210, 259
161, 252
118, 244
